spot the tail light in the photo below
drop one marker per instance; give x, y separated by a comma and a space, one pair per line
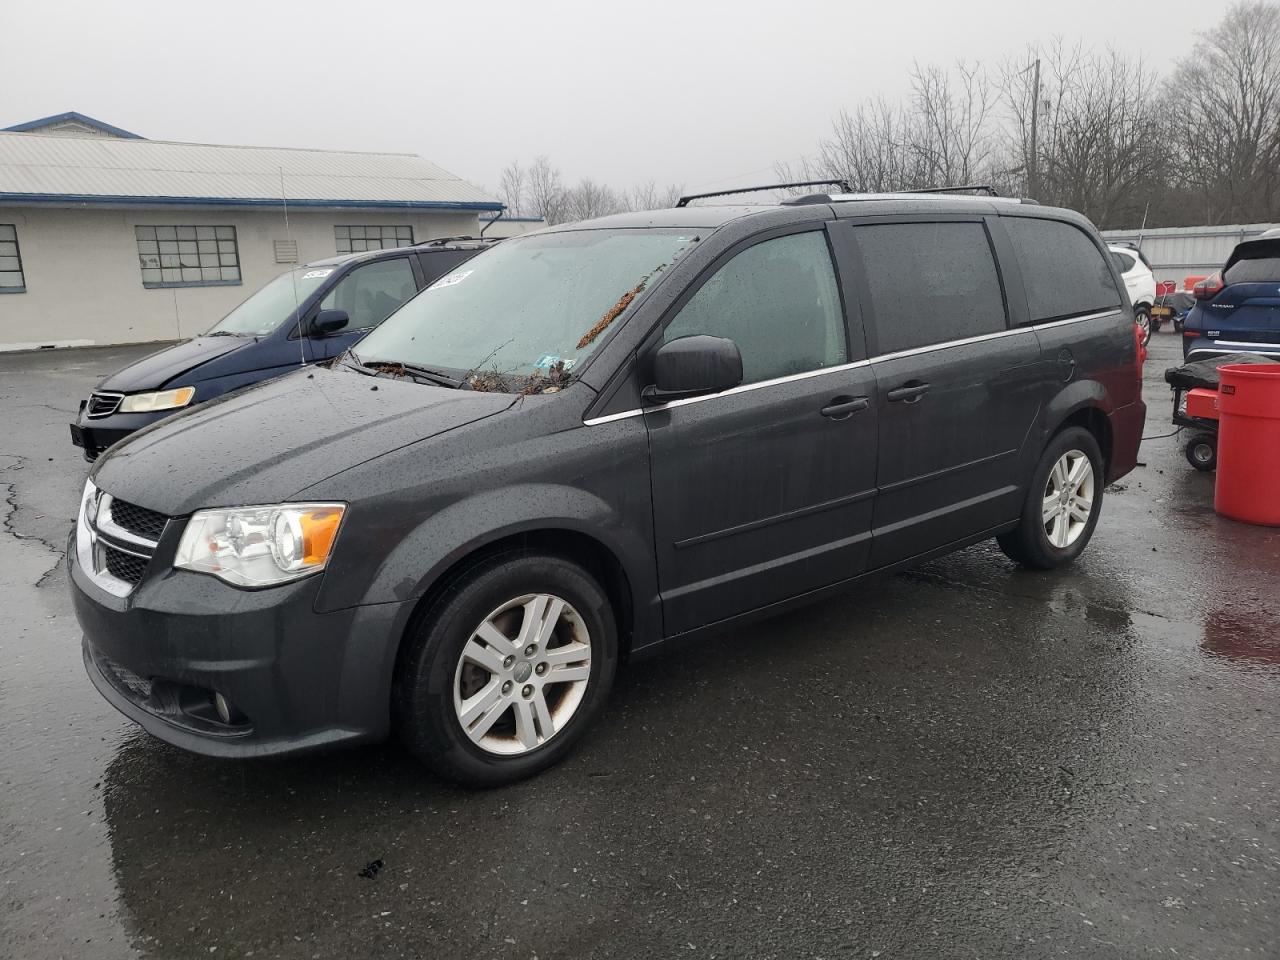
1139, 335
1209, 287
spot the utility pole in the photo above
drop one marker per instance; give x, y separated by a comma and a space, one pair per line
1033, 163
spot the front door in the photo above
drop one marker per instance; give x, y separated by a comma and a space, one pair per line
957, 390
765, 491
369, 293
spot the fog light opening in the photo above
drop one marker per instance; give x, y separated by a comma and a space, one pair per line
227, 711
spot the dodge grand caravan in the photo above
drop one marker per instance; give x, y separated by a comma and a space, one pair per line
306, 315
593, 439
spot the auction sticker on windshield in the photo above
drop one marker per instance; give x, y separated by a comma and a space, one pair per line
451, 279
316, 274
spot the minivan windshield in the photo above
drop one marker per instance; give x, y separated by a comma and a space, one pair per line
273, 304
528, 306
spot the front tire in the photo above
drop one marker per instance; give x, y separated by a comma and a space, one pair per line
1063, 502
506, 672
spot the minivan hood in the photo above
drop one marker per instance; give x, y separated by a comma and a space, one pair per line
157, 370
264, 444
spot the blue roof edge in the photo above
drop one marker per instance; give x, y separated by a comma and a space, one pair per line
72, 115
250, 202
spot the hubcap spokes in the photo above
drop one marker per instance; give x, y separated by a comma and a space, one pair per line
1068, 499
522, 674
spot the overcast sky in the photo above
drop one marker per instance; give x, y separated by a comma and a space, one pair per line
705, 94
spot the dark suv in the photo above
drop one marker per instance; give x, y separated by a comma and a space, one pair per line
591, 440
306, 315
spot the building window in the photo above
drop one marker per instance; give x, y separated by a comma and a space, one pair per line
358, 239
11, 278
188, 256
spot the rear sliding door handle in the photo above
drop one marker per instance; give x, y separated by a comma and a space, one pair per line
909, 392
841, 408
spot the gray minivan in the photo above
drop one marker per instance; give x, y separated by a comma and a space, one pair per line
593, 439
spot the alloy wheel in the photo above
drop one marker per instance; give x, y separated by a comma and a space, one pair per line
1068, 499
522, 674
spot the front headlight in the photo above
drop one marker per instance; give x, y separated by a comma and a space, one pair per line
260, 546
162, 400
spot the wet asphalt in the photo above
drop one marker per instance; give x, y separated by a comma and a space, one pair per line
966, 760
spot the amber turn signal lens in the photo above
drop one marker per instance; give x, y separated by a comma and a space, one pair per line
319, 527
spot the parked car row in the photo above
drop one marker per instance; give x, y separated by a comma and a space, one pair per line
586, 442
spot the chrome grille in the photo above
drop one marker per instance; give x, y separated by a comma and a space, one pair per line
103, 404
128, 567
138, 520
115, 541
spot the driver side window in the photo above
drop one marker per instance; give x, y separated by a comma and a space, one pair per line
371, 293
778, 301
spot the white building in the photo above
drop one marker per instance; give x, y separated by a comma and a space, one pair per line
106, 237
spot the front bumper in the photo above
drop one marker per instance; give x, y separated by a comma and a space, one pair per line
94, 435
298, 680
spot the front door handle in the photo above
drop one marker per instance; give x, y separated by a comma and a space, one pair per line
910, 392
841, 408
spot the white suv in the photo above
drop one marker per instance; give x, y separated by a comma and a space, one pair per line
1141, 284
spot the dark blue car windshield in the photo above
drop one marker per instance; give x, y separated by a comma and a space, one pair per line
263, 312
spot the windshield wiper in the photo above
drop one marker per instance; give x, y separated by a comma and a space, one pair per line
435, 376
222, 333
395, 368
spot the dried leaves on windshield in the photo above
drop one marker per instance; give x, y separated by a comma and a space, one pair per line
555, 379
615, 311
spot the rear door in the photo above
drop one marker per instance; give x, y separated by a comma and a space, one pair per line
765, 491
1245, 315
957, 390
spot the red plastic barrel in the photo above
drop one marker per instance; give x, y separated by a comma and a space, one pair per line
1248, 483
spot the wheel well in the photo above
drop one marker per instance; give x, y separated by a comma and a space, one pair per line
594, 557
1096, 422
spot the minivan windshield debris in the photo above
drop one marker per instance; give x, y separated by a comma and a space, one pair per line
521, 317
262, 312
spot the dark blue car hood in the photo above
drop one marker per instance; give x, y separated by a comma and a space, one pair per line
264, 444
161, 369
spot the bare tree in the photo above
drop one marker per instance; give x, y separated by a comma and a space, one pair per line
511, 188
590, 199
545, 191
644, 196
1228, 90
950, 126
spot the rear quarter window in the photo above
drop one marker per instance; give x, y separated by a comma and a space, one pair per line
1063, 271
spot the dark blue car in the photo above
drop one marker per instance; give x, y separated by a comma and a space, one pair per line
1238, 307
307, 315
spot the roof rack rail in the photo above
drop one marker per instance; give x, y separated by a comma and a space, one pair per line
842, 184
986, 188
441, 241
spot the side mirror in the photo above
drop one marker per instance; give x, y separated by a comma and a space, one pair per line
692, 366
328, 321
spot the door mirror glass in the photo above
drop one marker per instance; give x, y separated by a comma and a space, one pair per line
329, 321
692, 366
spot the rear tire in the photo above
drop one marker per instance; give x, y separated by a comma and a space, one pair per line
1063, 502
1202, 452
1142, 317
506, 672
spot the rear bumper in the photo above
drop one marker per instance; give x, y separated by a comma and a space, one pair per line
298, 680
1127, 424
